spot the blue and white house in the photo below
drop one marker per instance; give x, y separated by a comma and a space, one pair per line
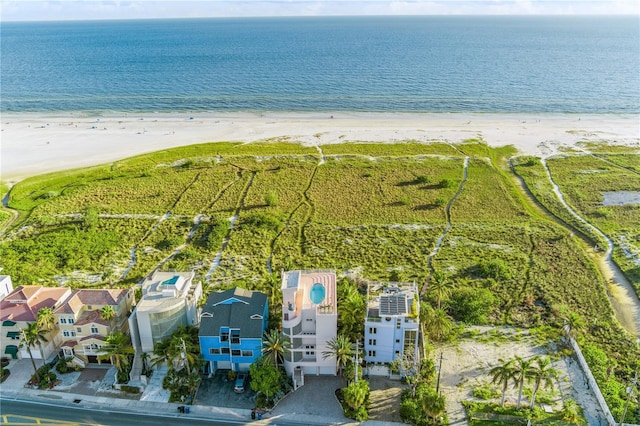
232, 324
391, 325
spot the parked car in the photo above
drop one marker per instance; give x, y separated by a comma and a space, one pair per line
241, 382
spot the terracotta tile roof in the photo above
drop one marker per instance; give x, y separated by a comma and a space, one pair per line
92, 297
93, 336
69, 344
24, 302
91, 317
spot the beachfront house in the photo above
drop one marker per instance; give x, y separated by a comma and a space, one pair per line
20, 308
169, 300
309, 321
6, 286
87, 317
391, 324
232, 324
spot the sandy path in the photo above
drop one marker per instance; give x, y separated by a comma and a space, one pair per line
38, 143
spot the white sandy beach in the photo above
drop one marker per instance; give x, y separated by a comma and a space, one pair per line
32, 144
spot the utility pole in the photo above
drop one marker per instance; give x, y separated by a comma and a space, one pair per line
439, 371
357, 347
630, 390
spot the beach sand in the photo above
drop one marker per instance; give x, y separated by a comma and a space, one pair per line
33, 144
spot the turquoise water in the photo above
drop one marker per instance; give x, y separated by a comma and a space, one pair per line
387, 64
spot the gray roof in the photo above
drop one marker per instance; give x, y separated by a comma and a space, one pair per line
246, 304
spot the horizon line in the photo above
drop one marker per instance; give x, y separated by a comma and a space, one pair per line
565, 15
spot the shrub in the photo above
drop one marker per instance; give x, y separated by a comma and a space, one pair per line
4, 373
423, 179
63, 367
271, 198
447, 183
130, 389
485, 392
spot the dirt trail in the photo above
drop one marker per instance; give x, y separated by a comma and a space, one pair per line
624, 300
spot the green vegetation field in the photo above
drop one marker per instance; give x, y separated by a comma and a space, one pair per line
378, 209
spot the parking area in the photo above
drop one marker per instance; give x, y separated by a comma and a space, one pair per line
218, 391
317, 397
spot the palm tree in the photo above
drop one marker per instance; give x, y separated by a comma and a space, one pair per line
522, 372
432, 403
274, 346
46, 319
107, 313
439, 324
118, 349
503, 374
351, 312
31, 336
161, 353
542, 374
440, 287
341, 348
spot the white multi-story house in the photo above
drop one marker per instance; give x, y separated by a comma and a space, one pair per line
391, 324
21, 307
309, 320
6, 286
169, 300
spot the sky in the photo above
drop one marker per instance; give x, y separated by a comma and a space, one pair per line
36, 10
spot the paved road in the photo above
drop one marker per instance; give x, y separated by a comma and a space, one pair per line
25, 412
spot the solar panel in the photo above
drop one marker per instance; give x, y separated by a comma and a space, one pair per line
393, 304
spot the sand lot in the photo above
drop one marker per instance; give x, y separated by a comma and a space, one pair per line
466, 364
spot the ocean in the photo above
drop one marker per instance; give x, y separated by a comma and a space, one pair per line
507, 64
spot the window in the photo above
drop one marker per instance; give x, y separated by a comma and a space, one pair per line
372, 353
224, 351
63, 320
214, 351
310, 350
373, 330
235, 337
94, 329
399, 323
66, 333
94, 346
410, 338
372, 342
73, 334
224, 335
71, 321
397, 340
79, 330
236, 352
247, 353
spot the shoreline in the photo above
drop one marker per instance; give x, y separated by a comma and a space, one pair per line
38, 143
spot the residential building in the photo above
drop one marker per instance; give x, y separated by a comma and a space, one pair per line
83, 330
18, 309
309, 320
169, 300
232, 324
391, 324
6, 286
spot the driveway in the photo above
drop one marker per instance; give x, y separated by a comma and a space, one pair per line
317, 397
218, 391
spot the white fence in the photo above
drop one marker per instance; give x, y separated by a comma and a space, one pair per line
592, 382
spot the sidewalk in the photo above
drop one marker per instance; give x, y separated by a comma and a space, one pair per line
21, 370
